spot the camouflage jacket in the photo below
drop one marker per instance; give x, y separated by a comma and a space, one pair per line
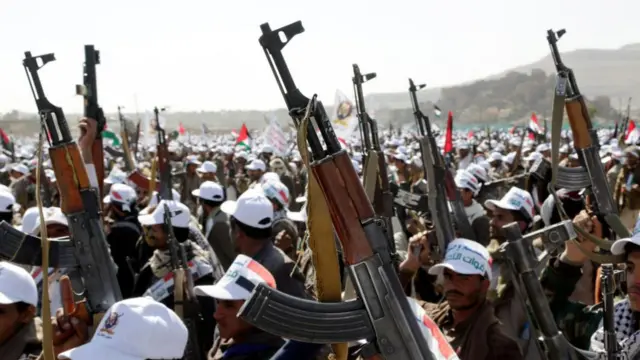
577, 321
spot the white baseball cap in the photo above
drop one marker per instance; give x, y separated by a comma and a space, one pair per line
465, 180
256, 164
207, 167
52, 215
21, 168
7, 202
618, 246
298, 216
239, 280
153, 201
180, 215
465, 257
135, 329
495, 156
29, 220
209, 190
515, 199
16, 285
252, 208
269, 176
121, 194
116, 176
193, 160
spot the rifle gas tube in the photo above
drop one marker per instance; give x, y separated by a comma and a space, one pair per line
383, 312
78, 200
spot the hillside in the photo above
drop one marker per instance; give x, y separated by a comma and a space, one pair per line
607, 77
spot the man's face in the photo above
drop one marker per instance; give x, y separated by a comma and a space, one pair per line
463, 152
229, 323
156, 236
633, 279
466, 195
631, 161
11, 320
254, 175
191, 168
208, 176
464, 291
500, 218
57, 230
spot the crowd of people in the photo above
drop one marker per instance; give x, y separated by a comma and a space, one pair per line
241, 214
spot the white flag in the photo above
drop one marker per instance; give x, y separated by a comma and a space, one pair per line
344, 119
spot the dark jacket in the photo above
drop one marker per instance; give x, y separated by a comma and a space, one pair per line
219, 238
122, 238
288, 277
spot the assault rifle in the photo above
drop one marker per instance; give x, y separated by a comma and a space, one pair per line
442, 191
92, 110
78, 200
382, 196
608, 285
164, 166
187, 309
523, 263
381, 314
585, 140
124, 133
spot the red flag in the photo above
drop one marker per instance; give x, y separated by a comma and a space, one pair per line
534, 125
243, 137
5, 138
470, 135
512, 130
448, 143
181, 130
630, 129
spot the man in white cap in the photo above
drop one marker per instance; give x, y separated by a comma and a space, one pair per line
132, 329
626, 191
215, 222
155, 278
23, 186
465, 275
469, 186
251, 217
230, 293
190, 181
18, 301
124, 232
208, 171
255, 169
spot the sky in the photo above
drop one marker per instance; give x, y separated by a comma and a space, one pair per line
194, 55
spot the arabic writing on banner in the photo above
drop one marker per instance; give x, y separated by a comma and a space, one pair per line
275, 136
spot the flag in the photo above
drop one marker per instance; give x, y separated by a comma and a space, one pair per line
244, 138
181, 130
205, 130
344, 119
633, 133
275, 136
110, 135
470, 135
437, 111
6, 141
448, 142
534, 126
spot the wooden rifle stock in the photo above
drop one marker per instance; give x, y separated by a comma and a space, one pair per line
579, 121
71, 176
347, 202
141, 181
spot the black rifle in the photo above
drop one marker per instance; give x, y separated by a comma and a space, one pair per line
381, 313
185, 302
164, 166
523, 263
442, 189
382, 197
608, 287
89, 91
124, 133
78, 200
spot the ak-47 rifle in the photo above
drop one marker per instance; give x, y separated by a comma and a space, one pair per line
608, 285
382, 197
92, 109
124, 133
442, 190
185, 302
381, 314
164, 166
585, 141
78, 201
523, 263
518, 158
